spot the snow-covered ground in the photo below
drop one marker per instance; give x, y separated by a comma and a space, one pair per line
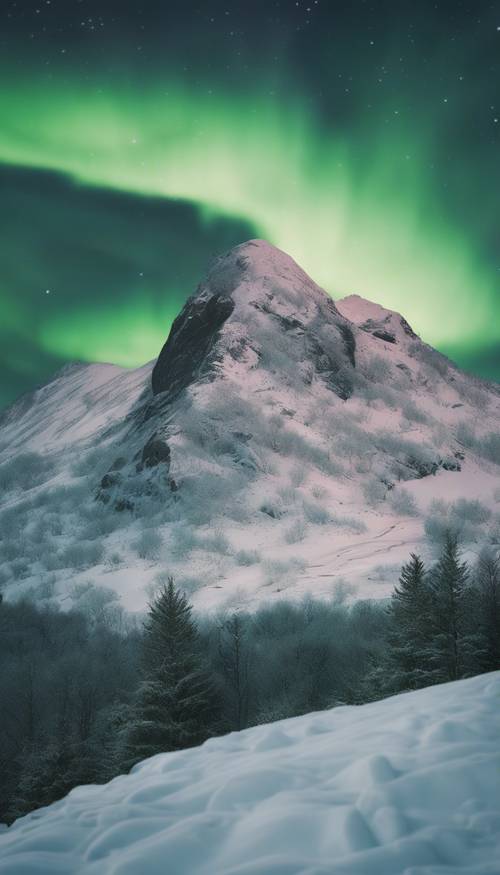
407, 785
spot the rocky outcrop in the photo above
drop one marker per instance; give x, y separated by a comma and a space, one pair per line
156, 452
193, 336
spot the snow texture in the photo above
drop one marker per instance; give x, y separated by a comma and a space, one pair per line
407, 785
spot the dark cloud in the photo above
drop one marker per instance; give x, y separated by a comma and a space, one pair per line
88, 246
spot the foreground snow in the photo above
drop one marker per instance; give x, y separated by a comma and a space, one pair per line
408, 785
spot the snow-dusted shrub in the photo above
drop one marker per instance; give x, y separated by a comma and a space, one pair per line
81, 555
436, 528
215, 542
320, 492
148, 545
295, 533
247, 557
473, 394
403, 502
189, 585
288, 495
282, 573
45, 590
184, 540
20, 568
413, 413
470, 510
465, 519
429, 356
348, 522
377, 369
487, 445
99, 520
466, 434
273, 508
316, 513
297, 475
374, 491
93, 463
25, 471
206, 494
352, 446
411, 459
99, 604
490, 446
12, 548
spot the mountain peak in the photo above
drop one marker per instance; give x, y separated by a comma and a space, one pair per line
252, 296
385, 324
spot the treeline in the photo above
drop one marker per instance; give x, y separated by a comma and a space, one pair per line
84, 697
444, 623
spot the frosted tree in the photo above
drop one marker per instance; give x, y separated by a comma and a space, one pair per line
405, 664
177, 705
234, 657
487, 578
456, 644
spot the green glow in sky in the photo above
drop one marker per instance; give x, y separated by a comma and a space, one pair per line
358, 219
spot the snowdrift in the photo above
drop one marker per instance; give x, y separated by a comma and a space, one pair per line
407, 785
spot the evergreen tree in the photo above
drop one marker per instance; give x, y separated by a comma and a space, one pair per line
454, 652
177, 705
406, 664
488, 586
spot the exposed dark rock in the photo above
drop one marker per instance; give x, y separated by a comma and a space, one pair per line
451, 465
156, 452
406, 370
271, 511
192, 337
454, 406
422, 468
122, 504
459, 455
286, 412
110, 479
288, 322
407, 328
173, 485
349, 343
342, 384
330, 369
384, 335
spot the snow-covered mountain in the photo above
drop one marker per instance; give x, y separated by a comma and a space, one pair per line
281, 443
409, 784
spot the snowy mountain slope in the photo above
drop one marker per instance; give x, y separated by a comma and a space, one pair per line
406, 785
280, 443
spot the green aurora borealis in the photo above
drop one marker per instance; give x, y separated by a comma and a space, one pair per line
118, 187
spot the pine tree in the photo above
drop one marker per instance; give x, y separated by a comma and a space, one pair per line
488, 586
455, 648
406, 666
177, 705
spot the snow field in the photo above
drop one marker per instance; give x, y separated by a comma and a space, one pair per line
407, 785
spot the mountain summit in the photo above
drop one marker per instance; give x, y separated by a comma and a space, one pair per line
280, 443
250, 295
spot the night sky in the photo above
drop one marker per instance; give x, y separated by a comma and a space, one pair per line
137, 140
